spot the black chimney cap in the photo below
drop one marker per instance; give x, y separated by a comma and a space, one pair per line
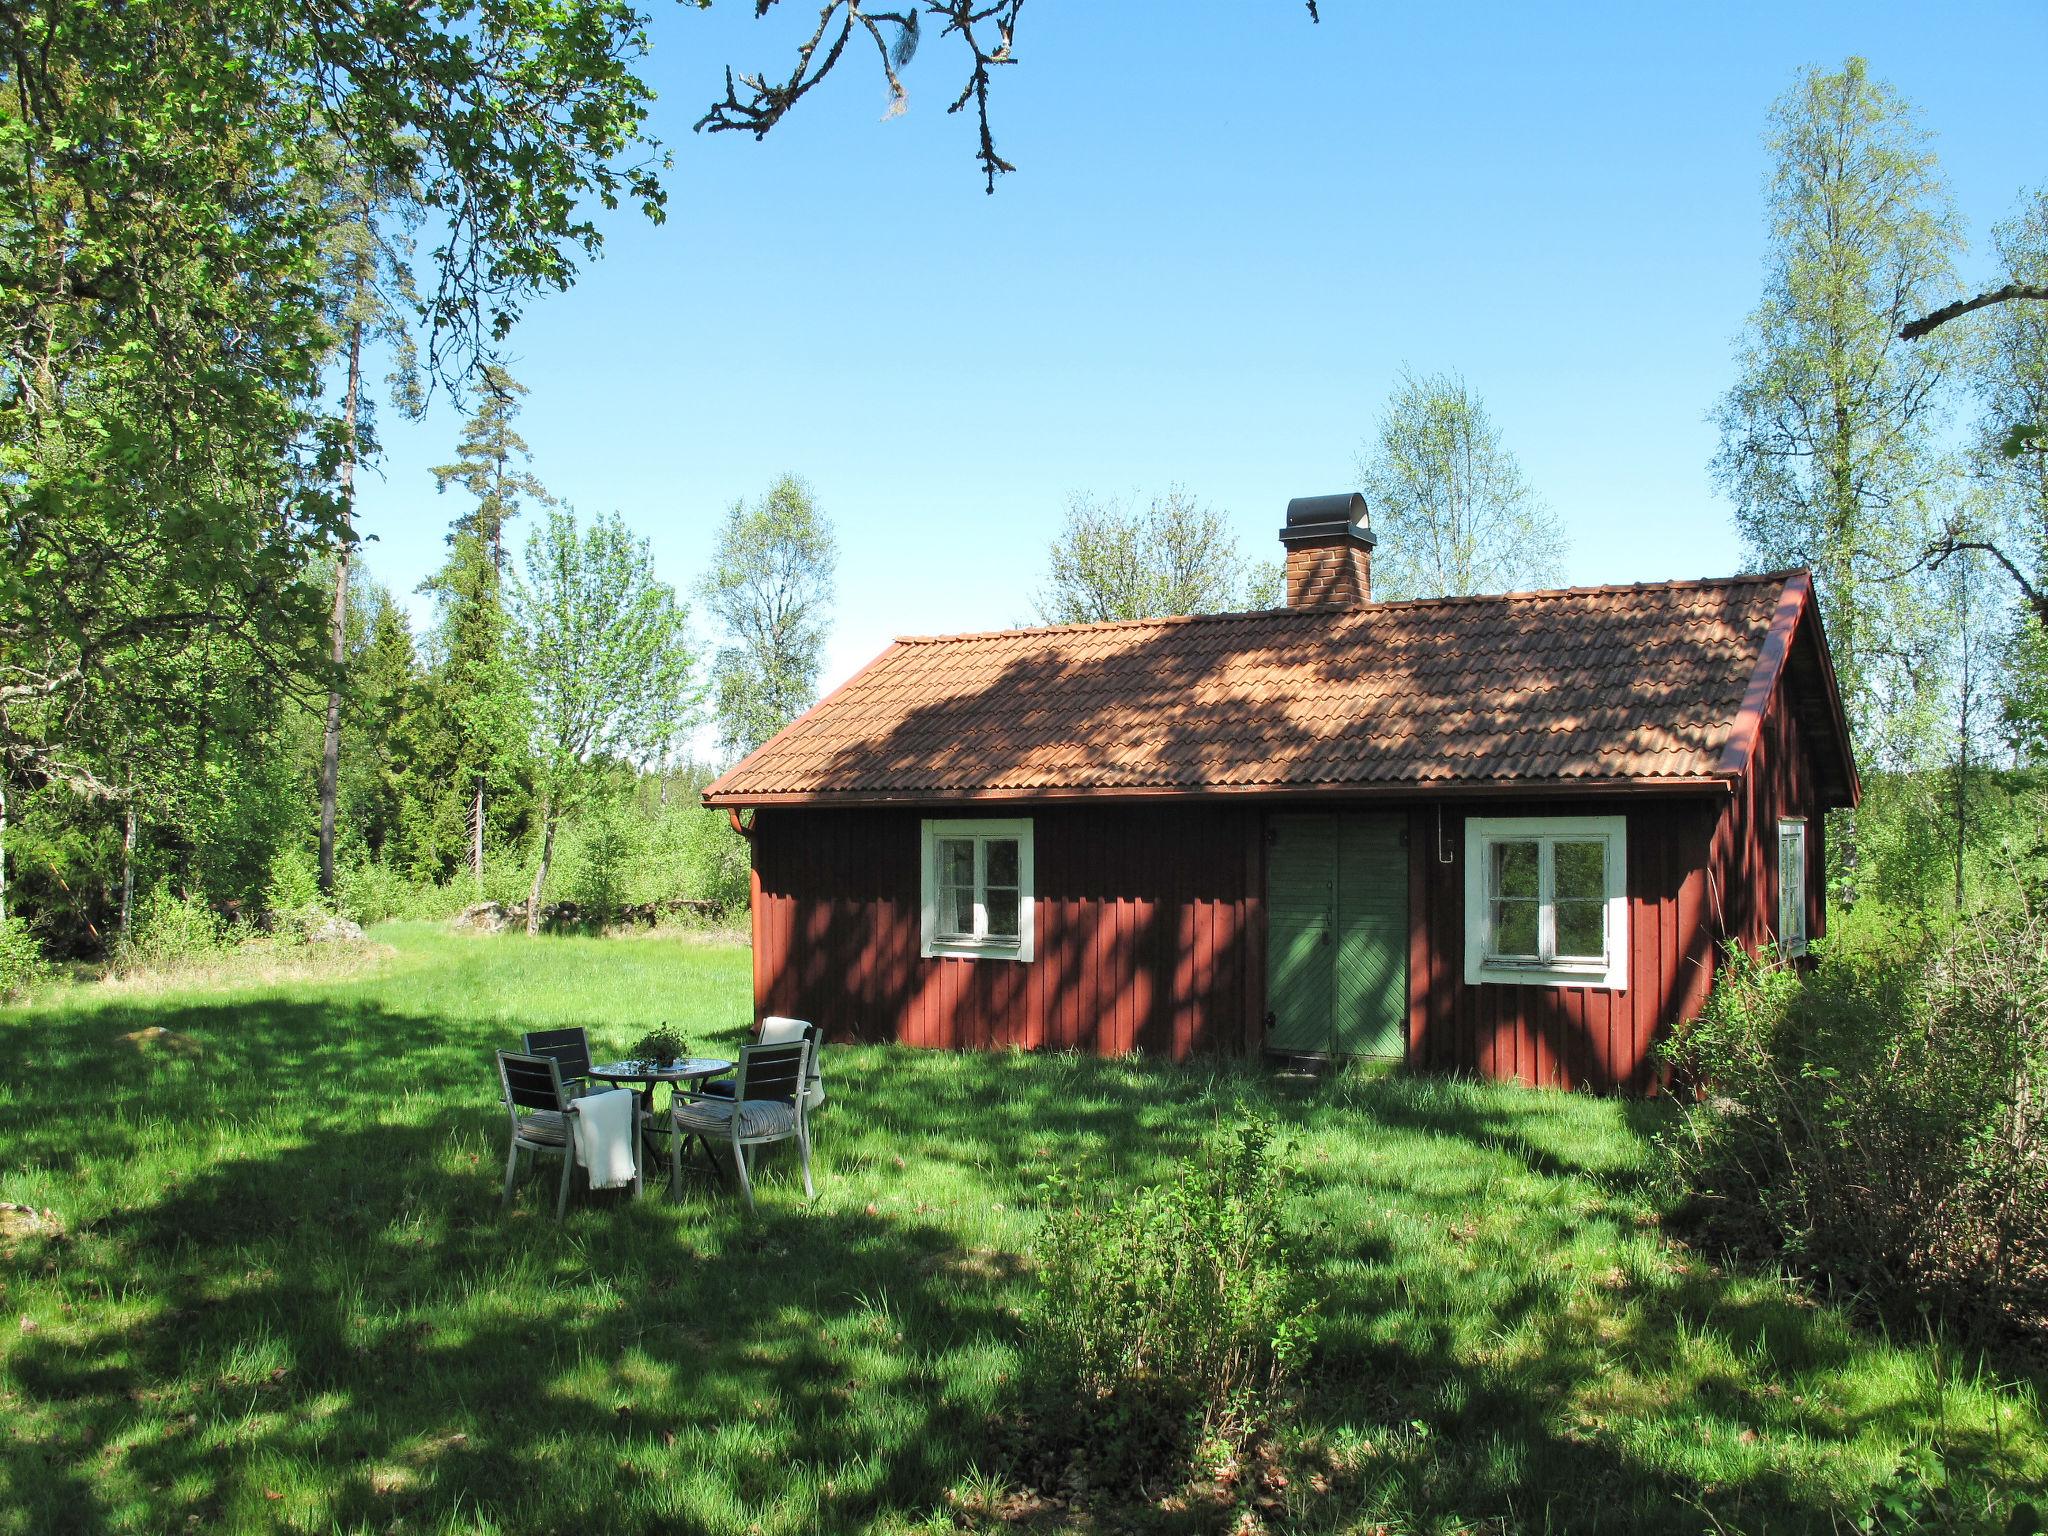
1320, 517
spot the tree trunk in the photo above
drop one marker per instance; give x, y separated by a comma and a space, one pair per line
330, 749
540, 876
3, 848
128, 866
476, 831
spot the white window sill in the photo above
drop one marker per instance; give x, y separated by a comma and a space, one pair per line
972, 949
1504, 973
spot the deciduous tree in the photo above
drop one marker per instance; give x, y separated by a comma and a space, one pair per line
1117, 560
1829, 444
770, 588
604, 649
1451, 507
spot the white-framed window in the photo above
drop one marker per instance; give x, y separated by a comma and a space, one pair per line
1546, 900
1792, 886
977, 889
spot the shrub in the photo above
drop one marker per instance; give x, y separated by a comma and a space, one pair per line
170, 929
1171, 1317
368, 891
21, 957
609, 842
292, 903
717, 863
1881, 1124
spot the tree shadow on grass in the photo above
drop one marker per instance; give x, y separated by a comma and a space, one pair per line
409, 1350
341, 1316
337, 1313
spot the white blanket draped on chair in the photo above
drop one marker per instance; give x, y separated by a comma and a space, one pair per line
608, 1136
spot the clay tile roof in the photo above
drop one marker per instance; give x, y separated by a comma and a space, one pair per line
1636, 683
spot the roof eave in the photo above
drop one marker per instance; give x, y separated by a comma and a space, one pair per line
1403, 790
1796, 604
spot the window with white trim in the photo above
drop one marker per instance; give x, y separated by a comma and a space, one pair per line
1792, 886
977, 889
1546, 900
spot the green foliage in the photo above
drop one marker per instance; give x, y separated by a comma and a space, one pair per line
292, 902
770, 589
1505, 1338
605, 653
1172, 1315
171, 928
368, 891
21, 957
663, 1043
1113, 560
612, 839
717, 863
1881, 1123
1452, 510
1829, 443
168, 456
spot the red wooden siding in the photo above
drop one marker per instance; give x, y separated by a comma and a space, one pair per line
1780, 783
1143, 918
1151, 927
1565, 1037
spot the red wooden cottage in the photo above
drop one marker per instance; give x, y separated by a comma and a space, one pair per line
1498, 835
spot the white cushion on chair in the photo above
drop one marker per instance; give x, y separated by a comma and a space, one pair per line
758, 1117
778, 1030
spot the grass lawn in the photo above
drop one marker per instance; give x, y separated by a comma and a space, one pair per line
281, 1295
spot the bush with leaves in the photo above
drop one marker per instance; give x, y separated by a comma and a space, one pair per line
292, 903
1170, 1318
1882, 1124
21, 957
608, 840
172, 929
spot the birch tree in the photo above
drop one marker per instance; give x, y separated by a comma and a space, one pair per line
607, 661
1115, 560
1829, 437
1450, 505
770, 587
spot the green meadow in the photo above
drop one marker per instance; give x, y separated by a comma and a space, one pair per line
276, 1292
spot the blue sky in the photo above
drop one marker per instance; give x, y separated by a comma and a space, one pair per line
1228, 231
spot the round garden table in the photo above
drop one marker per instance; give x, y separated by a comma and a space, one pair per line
642, 1076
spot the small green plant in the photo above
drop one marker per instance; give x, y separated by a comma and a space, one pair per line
663, 1044
171, 929
368, 891
1171, 1318
292, 902
21, 957
610, 842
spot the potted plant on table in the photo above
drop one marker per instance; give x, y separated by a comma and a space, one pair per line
661, 1046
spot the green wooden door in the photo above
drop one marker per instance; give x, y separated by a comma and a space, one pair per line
1301, 903
1372, 937
1337, 935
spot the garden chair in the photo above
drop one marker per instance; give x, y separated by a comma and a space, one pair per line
768, 1105
570, 1047
540, 1105
776, 1030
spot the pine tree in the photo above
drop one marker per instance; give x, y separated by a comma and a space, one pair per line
476, 675
487, 466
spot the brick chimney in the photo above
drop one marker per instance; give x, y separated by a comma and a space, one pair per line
1329, 545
